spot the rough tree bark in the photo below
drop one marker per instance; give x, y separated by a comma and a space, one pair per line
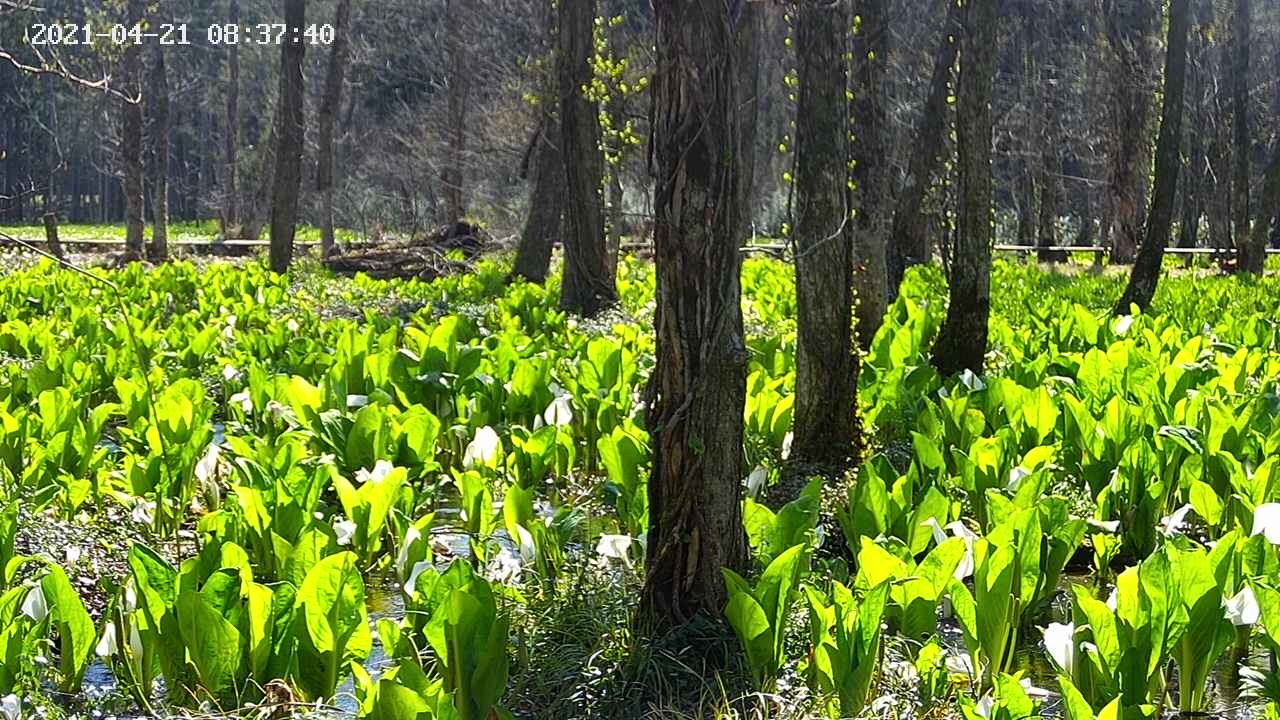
826, 422
962, 341
910, 241
1252, 253
1129, 26
1218, 207
546, 201
586, 285
1146, 270
453, 177
1193, 182
231, 210
333, 80
131, 138
704, 102
159, 90
870, 172
287, 179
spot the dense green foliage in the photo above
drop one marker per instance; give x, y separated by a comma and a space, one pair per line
315, 434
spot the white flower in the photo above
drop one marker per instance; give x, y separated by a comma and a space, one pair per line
1123, 324
130, 598
243, 400
482, 449
1172, 524
1242, 609
135, 641
11, 707
615, 547
381, 470
208, 464
985, 704
1060, 642
402, 558
144, 512
786, 445
229, 332
411, 584
559, 412
755, 481
346, 530
72, 555
292, 326
1113, 599
1108, 526
958, 529
1266, 522
528, 548
108, 646
230, 373
1016, 476
961, 664
35, 606
506, 567
357, 401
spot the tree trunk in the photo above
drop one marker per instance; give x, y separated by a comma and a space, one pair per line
159, 89
826, 420
910, 242
231, 212
1193, 184
131, 138
287, 179
704, 100
1252, 254
586, 286
1146, 271
453, 177
333, 80
870, 172
1129, 26
543, 224
962, 341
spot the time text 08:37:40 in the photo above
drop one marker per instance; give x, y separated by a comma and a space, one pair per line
46, 34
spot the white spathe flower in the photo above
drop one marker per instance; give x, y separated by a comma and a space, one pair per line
11, 707
345, 530
755, 481
506, 567
230, 373
402, 558
985, 705
144, 512
411, 584
72, 555
292, 326
35, 606
560, 412
380, 471
1123, 324
483, 448
1107, 526
243, 400
208, 464
108, 645
528, 548
615, 547
357, 401
1060, 642
1113, 600
130, 598
135, 640
229, 332
1016, 476
786, 444
966, 566
1266, 522
1172, 524
1242, 608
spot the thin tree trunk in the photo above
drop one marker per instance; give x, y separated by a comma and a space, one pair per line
454, 177
586, 286
1252, 254
1129, 26
704, 96
1193, 185
287, 179
910, 242
231, 212
159, 250
544, 221
826, 422
870, 172
1146, 271
962, 341
328, 111
131, 138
